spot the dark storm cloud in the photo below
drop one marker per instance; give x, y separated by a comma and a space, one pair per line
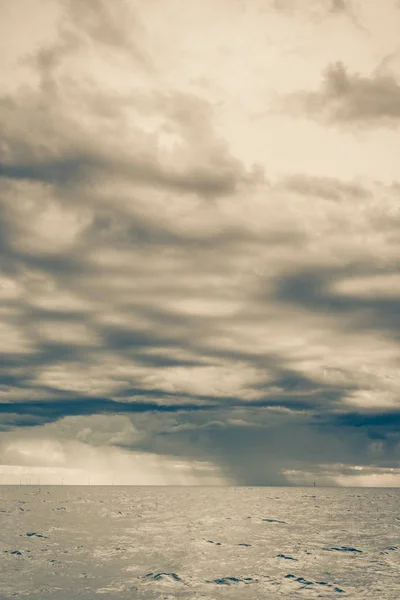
243, 452
50, 411
376, 432
351, 98
257, 450
263, 454
384, 424
129, 400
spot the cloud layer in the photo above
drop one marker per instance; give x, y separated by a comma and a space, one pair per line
353, 98
199, 249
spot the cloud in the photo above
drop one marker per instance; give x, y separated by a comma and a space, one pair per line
164, 299
82, 450
338, 6
70, 153
347, 476
347, 98
115, 27
321, 290
325, 188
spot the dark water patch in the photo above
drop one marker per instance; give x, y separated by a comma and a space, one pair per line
306, 582
299, 579
330, 585
344, 549
232, 580
286, 557
246, 545
274, 521
163, 576
34, 534
15, 552
212, 542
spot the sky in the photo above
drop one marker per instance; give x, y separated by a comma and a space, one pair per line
199, 242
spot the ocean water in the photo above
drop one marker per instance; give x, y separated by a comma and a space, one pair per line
67, 543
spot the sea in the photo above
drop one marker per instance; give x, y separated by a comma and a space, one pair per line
71, 542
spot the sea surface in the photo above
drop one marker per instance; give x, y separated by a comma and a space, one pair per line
67, 543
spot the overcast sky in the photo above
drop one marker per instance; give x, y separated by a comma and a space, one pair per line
199, 238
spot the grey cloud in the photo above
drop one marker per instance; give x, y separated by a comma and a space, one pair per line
384, 423
45, 138
140, 297
68, 155
62, 403
347, 98
108, 25
312, 289
93, 22
328, 188
338, 6
344, 7
81, 168
288, 389
315, 10
256, 453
